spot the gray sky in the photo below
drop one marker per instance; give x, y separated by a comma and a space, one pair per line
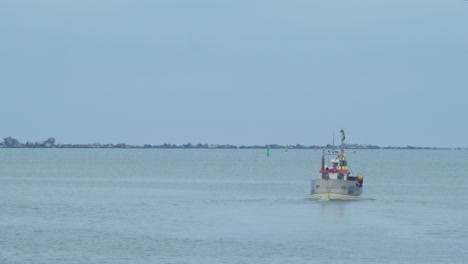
390, 72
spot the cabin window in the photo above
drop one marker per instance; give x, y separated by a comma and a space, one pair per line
342, 187
317, 186
350, 192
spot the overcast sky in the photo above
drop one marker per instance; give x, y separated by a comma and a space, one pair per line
389, 72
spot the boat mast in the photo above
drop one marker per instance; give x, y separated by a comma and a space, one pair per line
342, 141
323, 159
343, 162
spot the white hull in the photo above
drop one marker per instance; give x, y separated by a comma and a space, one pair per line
334, 196
335, 189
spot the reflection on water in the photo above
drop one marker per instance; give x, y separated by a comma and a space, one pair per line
332, 208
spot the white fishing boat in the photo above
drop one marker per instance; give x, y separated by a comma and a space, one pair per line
336, 178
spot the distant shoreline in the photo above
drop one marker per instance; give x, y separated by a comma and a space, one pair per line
10, 142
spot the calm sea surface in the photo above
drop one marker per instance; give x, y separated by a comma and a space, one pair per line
229, 206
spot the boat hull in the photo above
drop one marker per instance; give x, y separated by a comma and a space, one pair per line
335, 189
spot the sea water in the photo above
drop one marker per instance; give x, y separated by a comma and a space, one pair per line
229, 206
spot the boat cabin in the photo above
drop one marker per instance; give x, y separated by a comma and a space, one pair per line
338, 169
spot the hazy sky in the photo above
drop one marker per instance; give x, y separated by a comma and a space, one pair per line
390, 72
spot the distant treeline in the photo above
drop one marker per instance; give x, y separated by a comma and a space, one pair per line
10, 142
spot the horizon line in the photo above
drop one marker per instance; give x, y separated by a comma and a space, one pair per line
10, 142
